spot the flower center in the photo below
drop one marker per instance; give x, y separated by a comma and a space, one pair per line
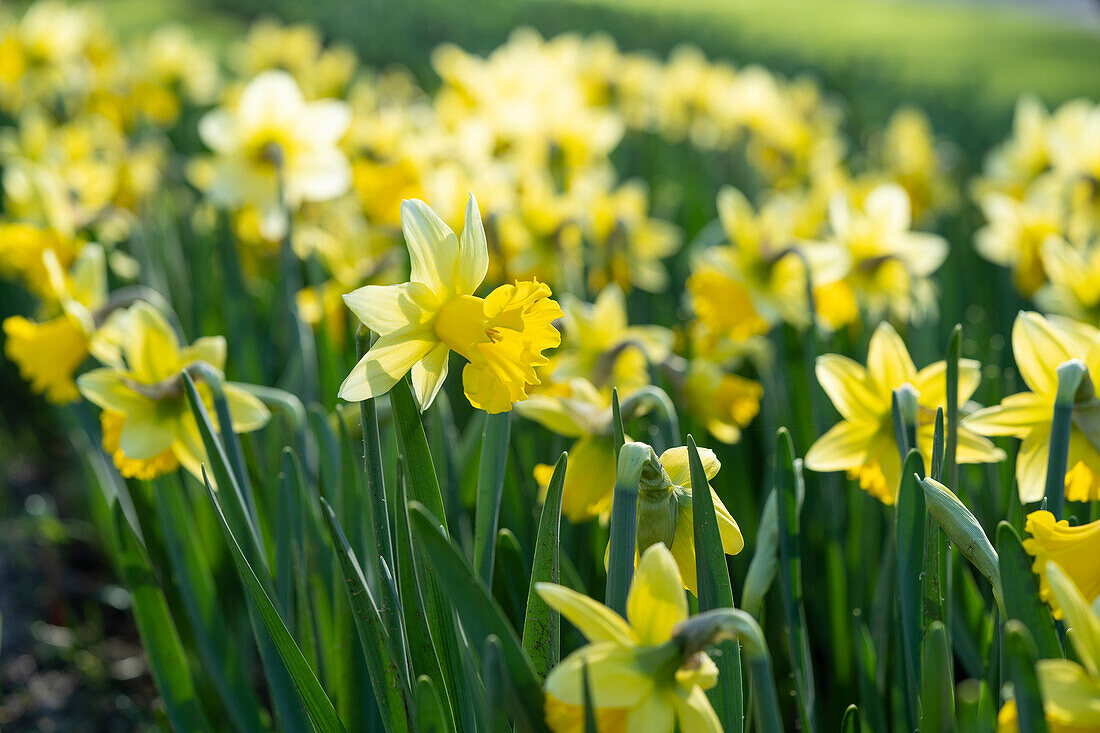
462, 325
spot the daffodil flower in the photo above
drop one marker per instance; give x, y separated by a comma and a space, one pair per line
1070, 691
1071, 548
50, 352
665, 510
419, 323
1040, 345
863, 443
639, 677
148, 426
722, 401
274, 150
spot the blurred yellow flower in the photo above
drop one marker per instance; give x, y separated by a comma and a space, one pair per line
274, 150
1040, 345
638, 678
1070, 547
863, 442
420, 322
1070, 690
1016, 229
148, 413
722, 401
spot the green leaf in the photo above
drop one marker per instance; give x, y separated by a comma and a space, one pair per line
159, 637
1022, 656
318, 707
622, 542
388, 675
617, 422
1021, 590
542, 624
870, 696
490, 488
850, 722
911, 517
1071, 375
479, 614
511, 576
765, 559
590, 725
421, 480
375, 487
788, 482
715, 591
494, 676
937, 699
951, 439
429, 709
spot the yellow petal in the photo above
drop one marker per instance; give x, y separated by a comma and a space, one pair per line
210, 349
656, 602
1016, 416
391, 310
732, 540
1073, 549
589, 478
1078, 615
473, 254
656, 713
845, 382
105, 388
593, 619
615, 678
931, 382
683, 546
152, 351
428, 375
888, 362
433, 247
1031, 464
145, 434
1071, 699
675, 463
1038, 350
246, 410
844, 446
694, 712
386, 362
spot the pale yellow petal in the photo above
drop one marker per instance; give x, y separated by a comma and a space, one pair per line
391, 310
694, 712
473, 253
245, 409
593, 619
1031, 464
675, 463
1017, 416
845, 382
615, 678
1078, 615
844, 446
1071, 699
888, 361
655, 714
1038, 351
428, 375
656, 602
433, 247
385, 363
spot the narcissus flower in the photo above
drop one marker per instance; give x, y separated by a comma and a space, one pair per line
147, 422
863, 443
1073, 548
722, 401
638, 675
274, 150
665, 509
1040, 345
419, 323
1070, 691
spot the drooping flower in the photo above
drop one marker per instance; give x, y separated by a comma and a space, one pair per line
665, 509
148, 424
1070, 691
501, 336
863, 443
1040, 345
638, 674
273, 150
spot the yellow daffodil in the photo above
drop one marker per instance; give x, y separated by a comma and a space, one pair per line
1016, 229
1070, 547
891, 263
911, 157
501, 336
274, 150
1014, 164
600, 346
22, 247
665, 510
863, 443
1040, 345
148, 426
48, 353
722, 401
1073, 285
759, 278
639, 677
578, 410
1070, 690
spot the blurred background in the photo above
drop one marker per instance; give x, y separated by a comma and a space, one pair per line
70, 659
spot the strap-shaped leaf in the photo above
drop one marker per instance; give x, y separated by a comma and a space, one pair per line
1021, 590
542, 624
